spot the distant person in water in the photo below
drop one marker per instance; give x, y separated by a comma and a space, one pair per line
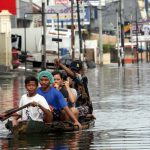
39, 109
55, 99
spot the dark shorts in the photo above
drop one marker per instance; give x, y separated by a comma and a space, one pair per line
56, 115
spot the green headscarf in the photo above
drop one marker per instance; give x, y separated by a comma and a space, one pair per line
46, 74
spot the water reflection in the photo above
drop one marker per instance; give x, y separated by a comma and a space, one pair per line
121, 105
10, 91
67, 141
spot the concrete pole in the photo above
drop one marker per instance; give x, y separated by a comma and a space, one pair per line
122, 30
100, 35
72, 31
131, 37
43, 67
25, 42
79, 29
58, 32
137, 40
118, 39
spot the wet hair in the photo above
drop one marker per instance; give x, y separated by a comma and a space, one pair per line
31, 78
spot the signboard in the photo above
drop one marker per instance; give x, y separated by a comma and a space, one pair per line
61, 1
56, 40
10, 5
65, 15
141, 38
143, 32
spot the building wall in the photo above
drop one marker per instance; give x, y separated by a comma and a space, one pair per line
22, 8
110, 16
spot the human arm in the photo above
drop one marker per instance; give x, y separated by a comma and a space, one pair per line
48, 117
15, 119
68, 70
72, 117
2, 116
71, 96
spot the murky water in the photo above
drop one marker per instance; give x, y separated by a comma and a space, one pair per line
121, 100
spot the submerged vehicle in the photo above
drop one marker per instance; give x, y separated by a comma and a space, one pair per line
37, 127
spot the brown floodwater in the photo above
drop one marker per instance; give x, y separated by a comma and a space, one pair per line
121, 99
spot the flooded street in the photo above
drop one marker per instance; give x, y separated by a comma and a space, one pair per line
121, 99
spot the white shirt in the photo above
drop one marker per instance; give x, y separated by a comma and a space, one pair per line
74, 91
35, 113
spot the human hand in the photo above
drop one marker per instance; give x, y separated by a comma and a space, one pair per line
78, 124
56, 61
66, 83
14, 122
34, 104
55, 85
78, 76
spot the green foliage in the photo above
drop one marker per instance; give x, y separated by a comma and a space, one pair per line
107, 48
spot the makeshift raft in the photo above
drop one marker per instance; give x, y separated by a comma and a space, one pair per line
36, 127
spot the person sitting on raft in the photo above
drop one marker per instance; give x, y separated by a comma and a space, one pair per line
38, 110
63, 83
76, 72
55, 99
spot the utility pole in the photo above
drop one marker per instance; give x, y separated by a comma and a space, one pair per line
118, 39
58, 31
79, 28
72, 31
25, 42
131, 37
137, 40
100, 35
122, 31
43, 67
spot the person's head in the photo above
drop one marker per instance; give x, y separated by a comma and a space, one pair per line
76, 66
58, 77
31, 84
46, 79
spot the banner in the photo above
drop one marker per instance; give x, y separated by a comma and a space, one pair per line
9, 5
61, 1
65, 15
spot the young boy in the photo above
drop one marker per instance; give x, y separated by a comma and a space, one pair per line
38, 110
